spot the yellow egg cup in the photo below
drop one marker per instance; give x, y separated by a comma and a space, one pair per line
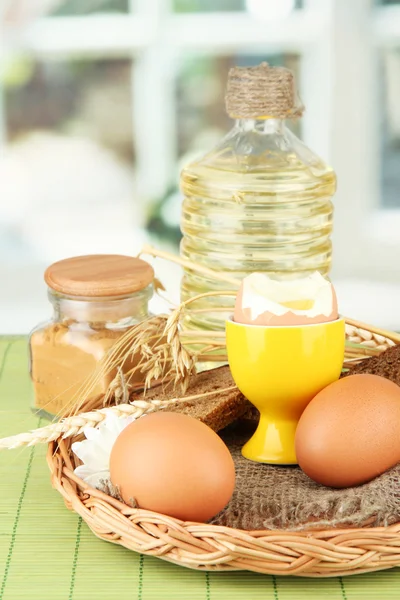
280, 369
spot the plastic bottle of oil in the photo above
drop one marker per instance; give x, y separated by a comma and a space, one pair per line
259, 201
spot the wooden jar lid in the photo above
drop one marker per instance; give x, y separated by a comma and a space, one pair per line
99, 275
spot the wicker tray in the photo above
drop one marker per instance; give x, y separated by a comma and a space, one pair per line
202, 546
317, 553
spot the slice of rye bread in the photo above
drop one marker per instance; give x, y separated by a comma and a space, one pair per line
386, 365
217, 410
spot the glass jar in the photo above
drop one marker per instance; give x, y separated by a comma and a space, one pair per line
95, 299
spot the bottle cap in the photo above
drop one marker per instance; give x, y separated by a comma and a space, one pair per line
262, 92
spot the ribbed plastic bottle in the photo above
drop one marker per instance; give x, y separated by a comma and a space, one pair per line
259, 201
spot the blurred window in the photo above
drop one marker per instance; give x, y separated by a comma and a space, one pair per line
256, 6
86, 7
102, 101
390, 128
83, 98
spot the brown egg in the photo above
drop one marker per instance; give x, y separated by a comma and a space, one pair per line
172, 464
349, 433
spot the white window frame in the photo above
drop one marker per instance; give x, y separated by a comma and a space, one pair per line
338, 42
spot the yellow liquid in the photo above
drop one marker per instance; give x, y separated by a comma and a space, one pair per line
299, 304
268, 212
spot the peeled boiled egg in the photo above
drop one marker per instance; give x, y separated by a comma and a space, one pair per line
265, 301
172, 464
349, 433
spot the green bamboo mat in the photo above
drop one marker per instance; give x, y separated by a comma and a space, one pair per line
48, 553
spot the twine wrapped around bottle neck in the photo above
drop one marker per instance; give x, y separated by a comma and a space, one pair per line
262, 92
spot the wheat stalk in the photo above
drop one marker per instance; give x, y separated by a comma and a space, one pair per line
146, 343
113, 360
184, 362
163, 352
218, 275
75, 425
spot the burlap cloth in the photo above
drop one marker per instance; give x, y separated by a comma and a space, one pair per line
268, 497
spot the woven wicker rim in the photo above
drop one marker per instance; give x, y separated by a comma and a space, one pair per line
322, 553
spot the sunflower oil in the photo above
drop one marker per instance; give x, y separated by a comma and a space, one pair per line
260, 201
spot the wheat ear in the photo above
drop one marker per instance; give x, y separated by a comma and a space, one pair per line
218, 275
74, 425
